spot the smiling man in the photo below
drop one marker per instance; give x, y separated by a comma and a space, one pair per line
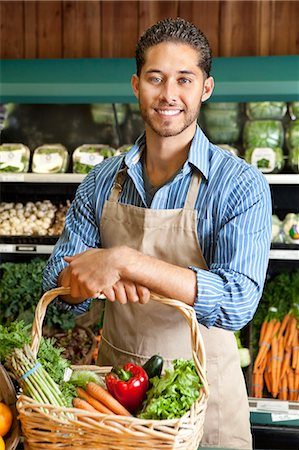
178, 216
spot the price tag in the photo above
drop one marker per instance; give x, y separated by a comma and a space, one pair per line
7, 248
269, 406
17, 177
281, 417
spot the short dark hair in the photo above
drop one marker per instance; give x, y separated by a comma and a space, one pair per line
174, 30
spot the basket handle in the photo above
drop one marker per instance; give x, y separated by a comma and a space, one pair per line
198, 350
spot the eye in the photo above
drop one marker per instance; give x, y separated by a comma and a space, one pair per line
184, 81
155, 80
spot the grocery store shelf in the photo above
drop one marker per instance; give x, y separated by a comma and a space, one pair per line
41, 178
283, 178
93, 80
37, 249
9, 177
270, 411
284, 254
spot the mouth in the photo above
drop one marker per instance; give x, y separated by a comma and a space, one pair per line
168, 112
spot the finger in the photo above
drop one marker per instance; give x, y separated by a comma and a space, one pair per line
131, 292
109, 294
143, 294
120, 292
68, 259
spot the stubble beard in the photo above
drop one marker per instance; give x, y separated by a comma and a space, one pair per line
164, 130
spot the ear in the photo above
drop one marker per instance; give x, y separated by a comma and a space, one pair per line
135, 85
207, 89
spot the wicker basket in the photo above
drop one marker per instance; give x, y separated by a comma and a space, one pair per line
50, 427
8, 396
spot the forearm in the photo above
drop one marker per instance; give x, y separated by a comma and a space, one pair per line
158, 276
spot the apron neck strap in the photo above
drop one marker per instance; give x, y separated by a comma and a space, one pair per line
191, 195
118, 185
193, 190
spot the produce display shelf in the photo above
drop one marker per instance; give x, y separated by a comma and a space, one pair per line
41, 178
292, 255
268, 411
282, 178
8, 177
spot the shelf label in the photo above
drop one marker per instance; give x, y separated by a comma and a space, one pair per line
26, 248
281, 406
281, 417
7, 248
17, 177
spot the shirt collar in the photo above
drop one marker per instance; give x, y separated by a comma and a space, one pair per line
198, 153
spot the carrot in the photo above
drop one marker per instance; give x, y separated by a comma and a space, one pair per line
83, 404
283, 325
265, 344
92, 401
291, 384
283, 388
291, 331
99, 393
286, 362
280, 357
274, 356
267, 380
295, 351
262, 332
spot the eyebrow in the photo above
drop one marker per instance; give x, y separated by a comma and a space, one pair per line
182, 72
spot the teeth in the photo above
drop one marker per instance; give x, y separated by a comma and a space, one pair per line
168, 112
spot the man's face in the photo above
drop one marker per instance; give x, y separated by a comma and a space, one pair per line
170, 88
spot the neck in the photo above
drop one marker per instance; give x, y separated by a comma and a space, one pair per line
165, 155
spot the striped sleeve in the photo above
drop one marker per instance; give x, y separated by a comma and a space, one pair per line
228, 294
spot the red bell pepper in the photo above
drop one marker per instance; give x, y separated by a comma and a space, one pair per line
128, 384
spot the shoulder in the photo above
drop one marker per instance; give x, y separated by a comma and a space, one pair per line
234, 170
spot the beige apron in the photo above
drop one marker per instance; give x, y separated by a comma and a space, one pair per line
135, 332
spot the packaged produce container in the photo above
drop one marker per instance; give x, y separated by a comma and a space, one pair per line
87, 156
14, 158
266, 110
50, 158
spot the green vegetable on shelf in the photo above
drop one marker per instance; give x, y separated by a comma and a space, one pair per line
263, 133
266, 110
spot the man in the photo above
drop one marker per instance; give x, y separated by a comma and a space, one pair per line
177, 216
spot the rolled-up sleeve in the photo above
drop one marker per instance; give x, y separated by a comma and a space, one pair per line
80, 233
229, 292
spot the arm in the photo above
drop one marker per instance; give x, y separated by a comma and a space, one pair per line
225, 296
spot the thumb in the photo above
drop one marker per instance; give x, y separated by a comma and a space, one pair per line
69, 259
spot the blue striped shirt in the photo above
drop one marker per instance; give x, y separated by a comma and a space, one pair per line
234, 230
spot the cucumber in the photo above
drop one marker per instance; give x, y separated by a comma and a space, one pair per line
154, 366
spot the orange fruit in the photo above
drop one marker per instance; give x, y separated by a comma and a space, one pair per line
6, 419
2, 444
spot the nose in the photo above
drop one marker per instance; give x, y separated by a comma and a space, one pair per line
169, 92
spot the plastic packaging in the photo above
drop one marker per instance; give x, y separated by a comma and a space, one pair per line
290, 226
266, 110
50, 158
292, 134
263, 133
294, 110
266, 159
87, 156
14, 158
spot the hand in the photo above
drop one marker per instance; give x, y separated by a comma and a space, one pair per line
90, 272
126, 291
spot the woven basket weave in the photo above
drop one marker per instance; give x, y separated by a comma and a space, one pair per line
50, 427
8, 396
